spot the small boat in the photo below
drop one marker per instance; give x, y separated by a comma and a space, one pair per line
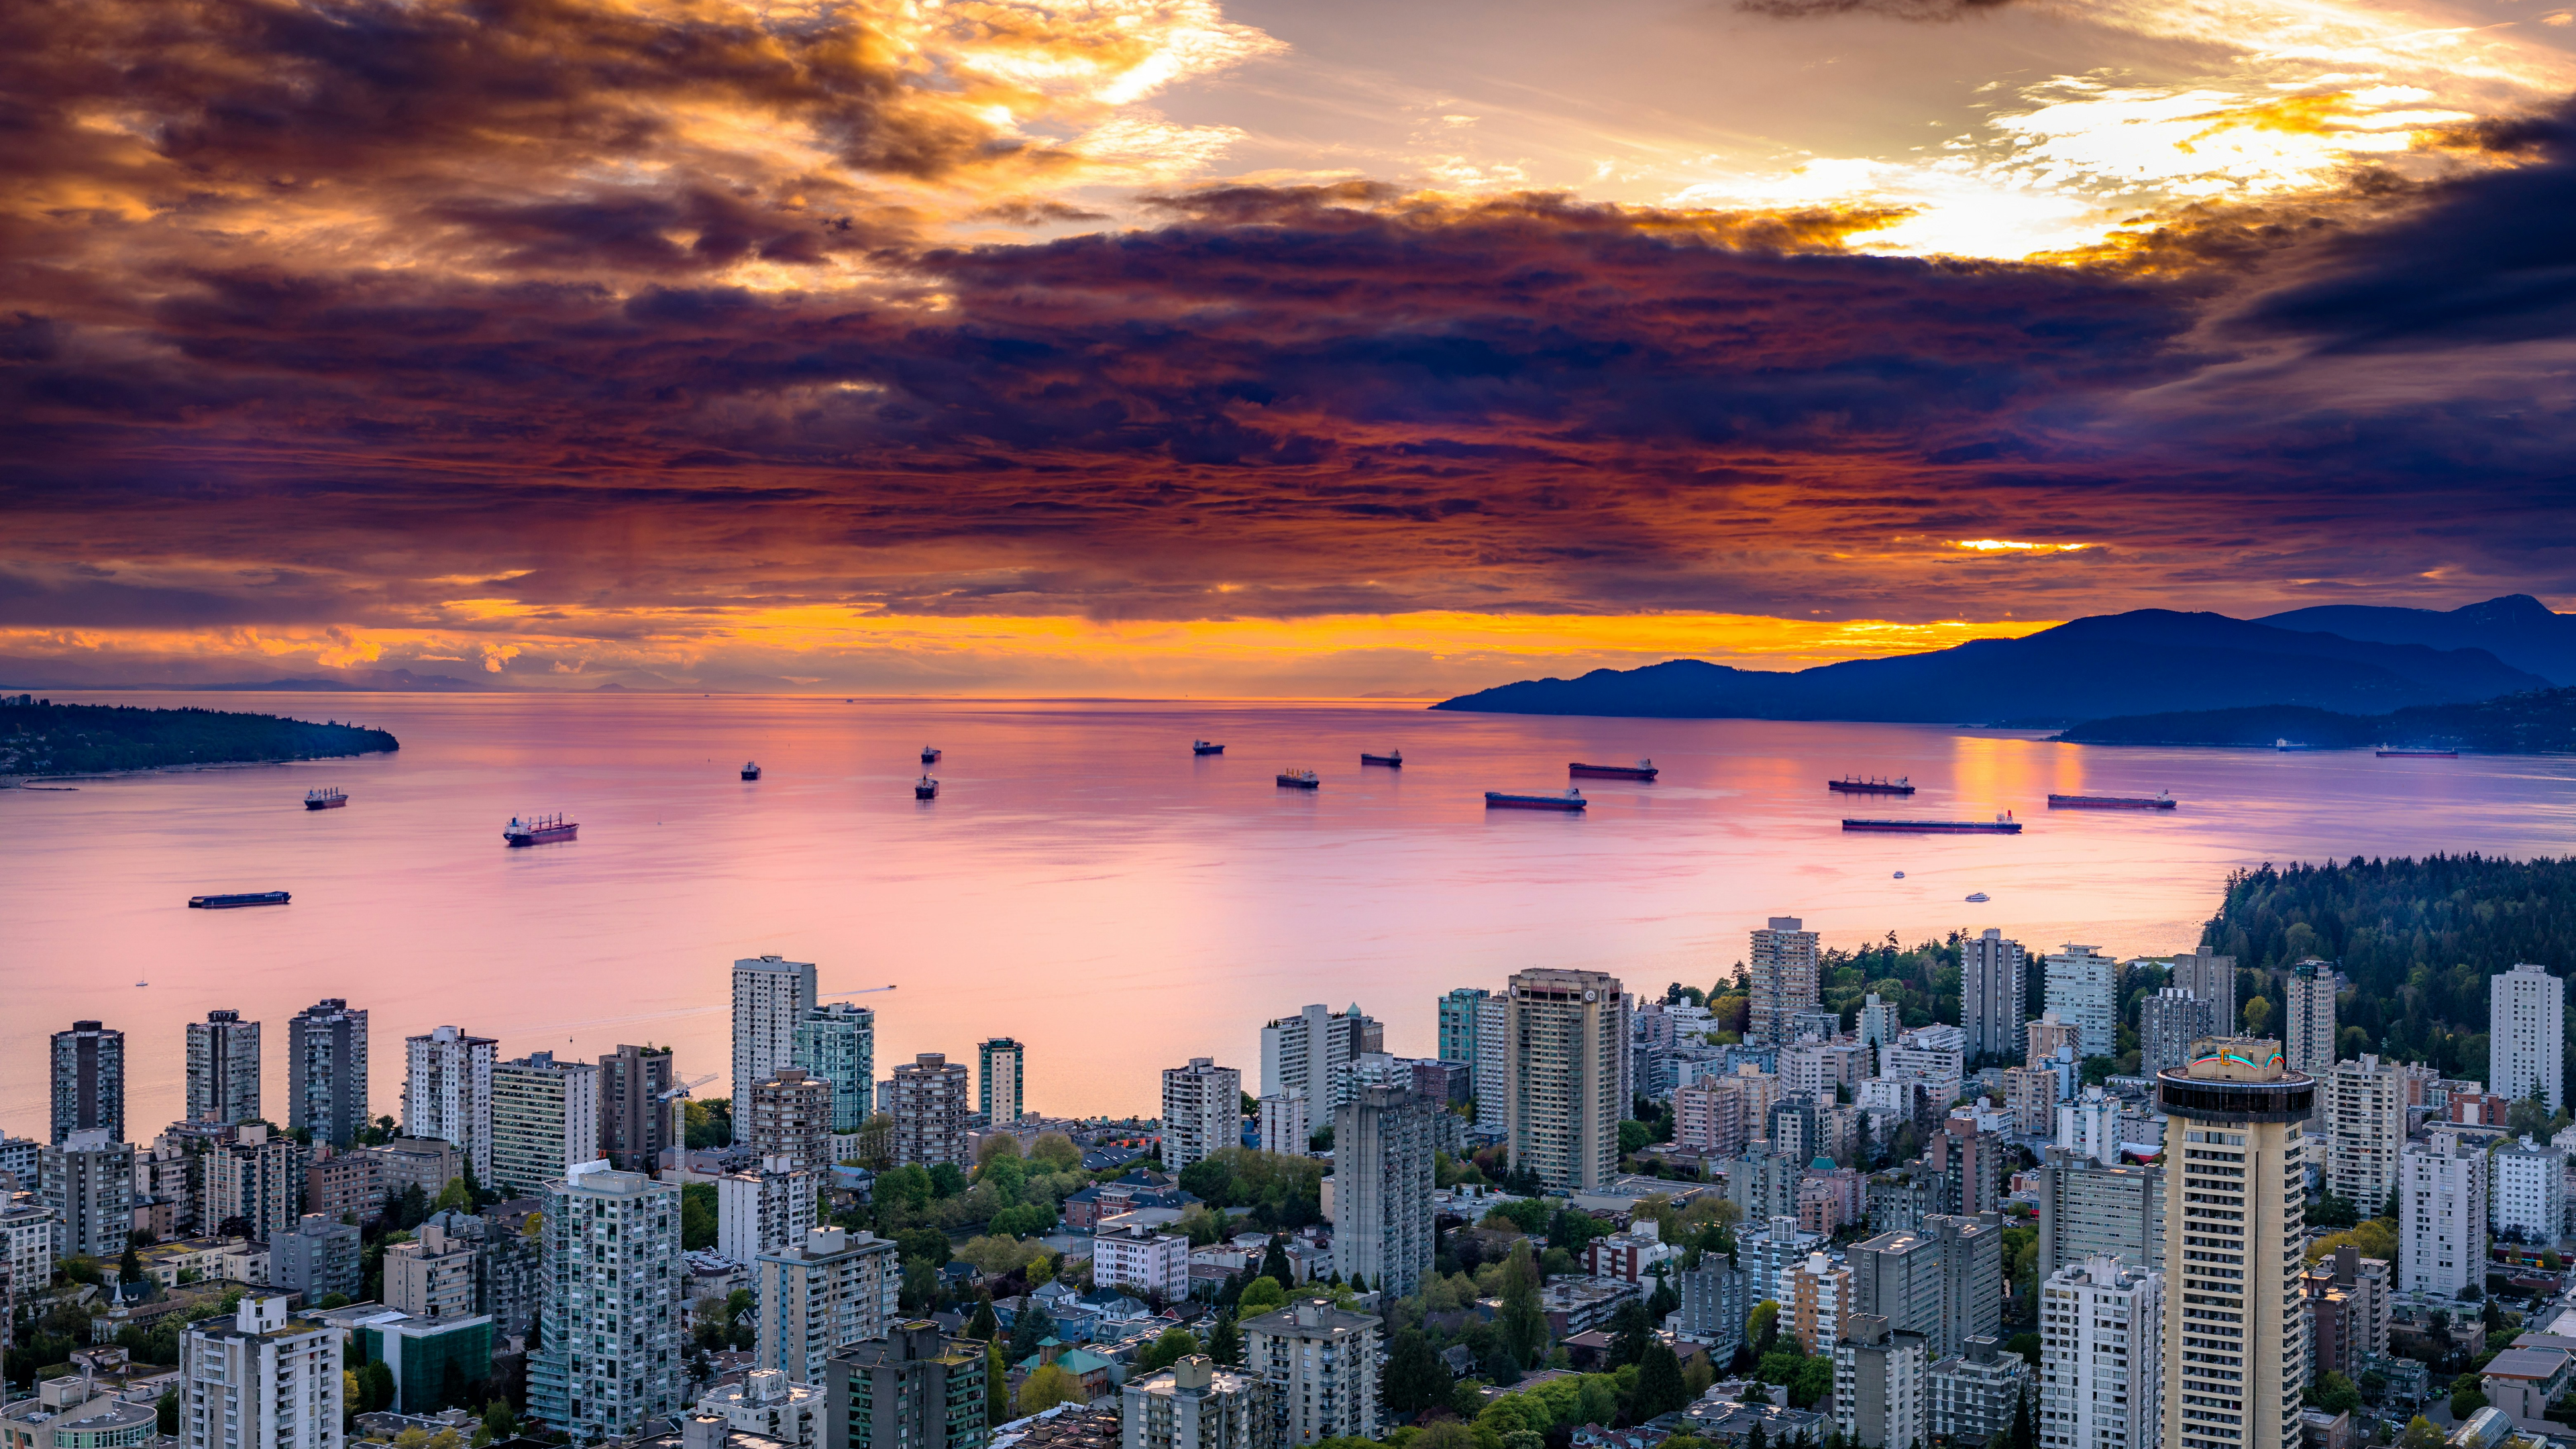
325, 799
1642, 770
1979, 899
2002, 824
1206, 747
750, 770
142, 983
925, 788
539, 830
1499, 800
1855, 785
1294, 779
1392, 759
929, 756
1900, 875
235, 902
2157, 801
2283, 744
2386, 753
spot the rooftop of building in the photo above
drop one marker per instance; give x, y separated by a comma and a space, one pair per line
1066, 1426
1311, 1316
2537, 1364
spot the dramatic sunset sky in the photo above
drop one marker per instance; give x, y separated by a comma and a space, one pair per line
1258, 347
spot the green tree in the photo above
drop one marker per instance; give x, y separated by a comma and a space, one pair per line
498, 1421
1225, 1341
1168, 1348
1275, 1266
1262, 1295
997, 1386
945, 1180
1659, 1384
1047, 1386
1414, 1379
165, 1412
2421, 1433
2467, 1397
1031, 1329
984, 1325
1630, 1331
697, 1215
1523, 1324
1056, 1151
2336, 1394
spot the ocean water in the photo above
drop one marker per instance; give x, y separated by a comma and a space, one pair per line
1083, 883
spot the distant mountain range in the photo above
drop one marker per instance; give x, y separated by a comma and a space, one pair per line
2146, 661
2517, 629
2541, 722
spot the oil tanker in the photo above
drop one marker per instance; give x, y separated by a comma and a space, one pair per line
1392, 759
1501, 800
2002, 824
538, 830
235, 902
1855, 785
2388, 754
1642, 770
2157, 801
327, 798
1298, 780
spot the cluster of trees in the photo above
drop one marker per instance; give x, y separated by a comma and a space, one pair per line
1285, 1192
82, 738
2417, 938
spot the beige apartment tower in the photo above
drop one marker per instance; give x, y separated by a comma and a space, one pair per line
1565, 1038
2365, 1129
2235, 1344
2308, 1036
1780, 978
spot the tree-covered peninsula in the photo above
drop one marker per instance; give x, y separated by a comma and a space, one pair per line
89, 739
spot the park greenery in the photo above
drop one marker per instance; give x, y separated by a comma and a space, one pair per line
83, 739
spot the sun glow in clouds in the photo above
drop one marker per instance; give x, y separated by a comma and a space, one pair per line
2003, 545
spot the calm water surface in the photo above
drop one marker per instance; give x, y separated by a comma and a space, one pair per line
1084, 883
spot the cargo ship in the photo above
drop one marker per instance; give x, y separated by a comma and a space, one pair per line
929, 756
750, 770
2002, 824
1299, 780
1642, 770
328, 798
1392, 759
539, 830
1855, 785
925, 788
1206, 747
1498, 800
2386, 753
2157, 801
235, 902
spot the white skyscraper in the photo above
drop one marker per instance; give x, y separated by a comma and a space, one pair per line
2080, 992
1314, 1050
1202, 1111
1780, 977
447, 1093
545, 1118
831, 1289
768, 1211
2101, 1365
610, 1364
2526, 1019
2308, 1036
2441, 1215
2530, 1190
2364, 1126
1993, 996
771, 997
260, 1380
1286, 1124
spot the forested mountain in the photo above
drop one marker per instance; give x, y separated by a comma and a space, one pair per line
2535, 722
2517, 628
77, 739
2417, 938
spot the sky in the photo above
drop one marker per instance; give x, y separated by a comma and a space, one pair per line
1159, 347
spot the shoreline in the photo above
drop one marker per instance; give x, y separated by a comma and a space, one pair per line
43, 782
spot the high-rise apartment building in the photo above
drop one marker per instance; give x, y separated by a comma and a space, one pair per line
2530, 1196
2047, 1034
836, 1044
1780, 979
2234, 1339
1321, 1365
931, 1097
1972, 1278
87, 1179
2101, 1361
2364, 1124
1715, 1300
2441, 1215
1195, 1404
2212, 979
791, 1116
1285, 1126
447, 1093
610, 1363
1977, 1392
545, 1118
915, 1388
2308, 1032
1203, 1111
771, 997
2526, 1035
254, 1184
1969, 1169
2081, 992
1994, 997
1460, 1040
1314, 1050
89, 1081
434, 1276
1881, 1385
767, 1210
316, 1258
223, 1068
1718, 1115
637, 1113
1820, 1302
1882, 1022
2169, 1024
1000, 1064
832, 1289
1897, 1276
1382, 1178
1565, 1049
1493, 1069
2089, 1209
260, 1380
326, 1071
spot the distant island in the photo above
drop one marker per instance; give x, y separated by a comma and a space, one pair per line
91, 739
2093, 668
2539, 722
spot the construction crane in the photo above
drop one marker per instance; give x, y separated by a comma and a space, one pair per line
685, 1088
